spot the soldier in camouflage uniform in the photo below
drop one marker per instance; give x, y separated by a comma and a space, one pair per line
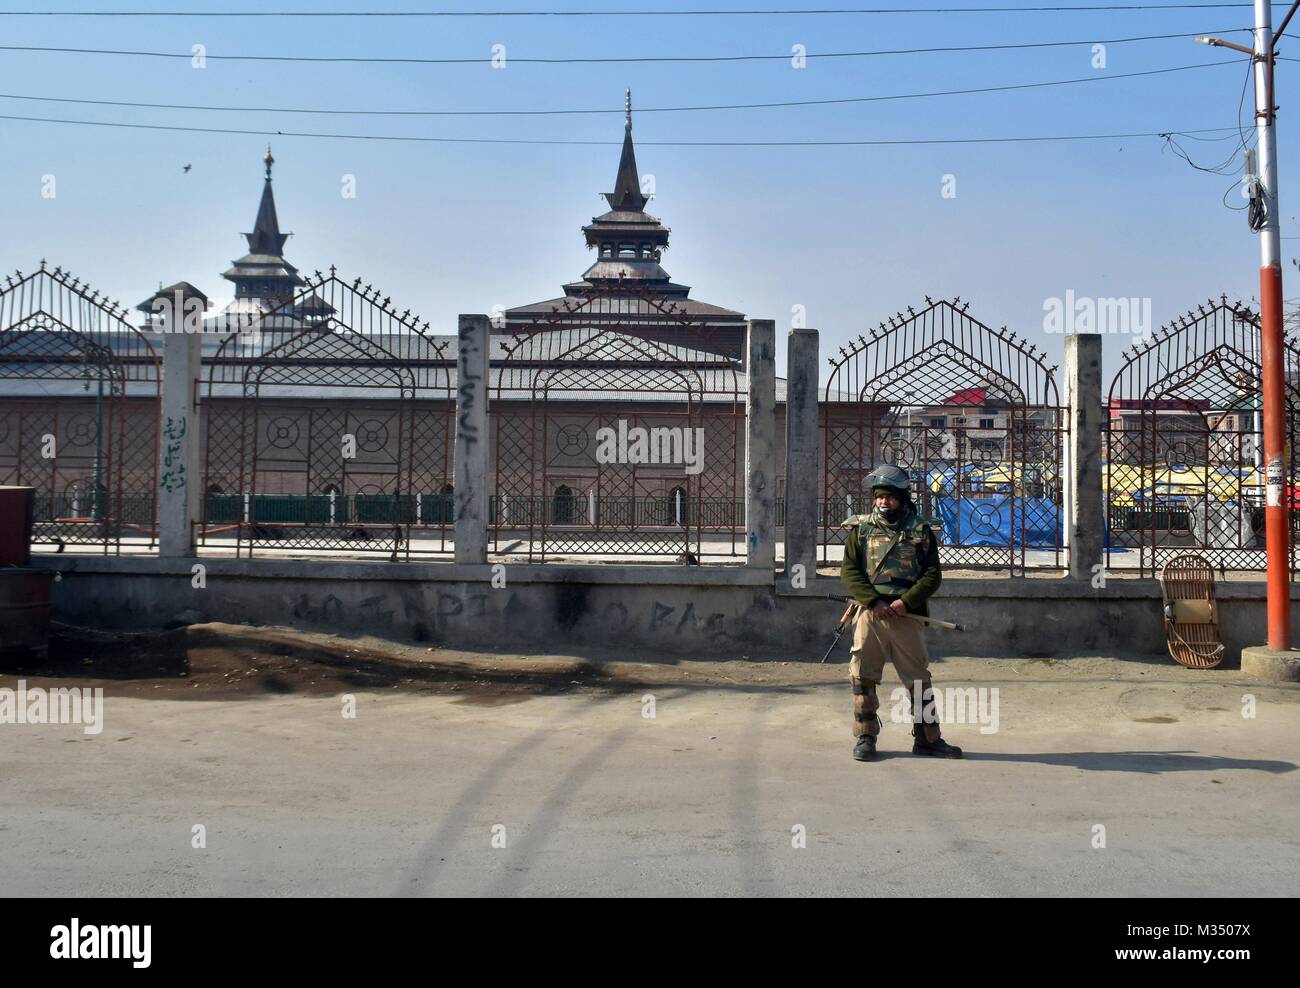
891, 567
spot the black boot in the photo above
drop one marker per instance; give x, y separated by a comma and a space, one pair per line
935, 749
865, 749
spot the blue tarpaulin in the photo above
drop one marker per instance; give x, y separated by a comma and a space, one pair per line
1031, 521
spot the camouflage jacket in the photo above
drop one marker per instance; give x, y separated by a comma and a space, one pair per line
909, 572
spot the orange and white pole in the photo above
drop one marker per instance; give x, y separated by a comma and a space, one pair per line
1277, 525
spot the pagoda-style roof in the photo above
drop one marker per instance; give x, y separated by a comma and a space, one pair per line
184, 288
265, 261
629, 243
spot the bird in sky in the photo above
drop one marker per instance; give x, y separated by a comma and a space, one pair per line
187, 168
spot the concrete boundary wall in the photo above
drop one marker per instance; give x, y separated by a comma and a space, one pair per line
706, 613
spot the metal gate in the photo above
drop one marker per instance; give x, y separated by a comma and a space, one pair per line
610, 440
79, 407
972, 414
328, 428
1184, 460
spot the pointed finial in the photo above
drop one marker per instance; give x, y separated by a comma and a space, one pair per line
628, 110
270, 160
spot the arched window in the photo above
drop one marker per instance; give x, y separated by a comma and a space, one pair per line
564, 506
678, 507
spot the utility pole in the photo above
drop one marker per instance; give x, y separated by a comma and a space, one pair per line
1277, 523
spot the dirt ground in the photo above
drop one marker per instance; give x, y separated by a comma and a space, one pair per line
220, 661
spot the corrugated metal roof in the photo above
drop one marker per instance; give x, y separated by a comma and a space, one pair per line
508, 379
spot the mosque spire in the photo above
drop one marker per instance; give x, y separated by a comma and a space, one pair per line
266, 237
627, 194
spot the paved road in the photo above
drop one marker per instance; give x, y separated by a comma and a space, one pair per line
706, 798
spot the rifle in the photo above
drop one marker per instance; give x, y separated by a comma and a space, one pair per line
845, 620
935, 622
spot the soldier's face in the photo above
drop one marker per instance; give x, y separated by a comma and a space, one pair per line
888, 503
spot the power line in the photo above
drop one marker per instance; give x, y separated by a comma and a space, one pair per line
616, 110
782, 12
614, 59
577, 143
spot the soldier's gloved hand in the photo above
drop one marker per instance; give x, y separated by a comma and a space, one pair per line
897, 609
880, 610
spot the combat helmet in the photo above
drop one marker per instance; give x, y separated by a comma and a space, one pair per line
891, 478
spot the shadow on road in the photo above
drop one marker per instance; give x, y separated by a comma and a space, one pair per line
1149, 762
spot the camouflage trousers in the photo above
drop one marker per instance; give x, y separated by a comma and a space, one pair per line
899, 640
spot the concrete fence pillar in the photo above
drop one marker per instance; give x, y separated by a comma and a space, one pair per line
470, 465
1085, 519
177, 315
760, 445
802, 446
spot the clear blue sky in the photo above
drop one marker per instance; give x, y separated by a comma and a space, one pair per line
852, 233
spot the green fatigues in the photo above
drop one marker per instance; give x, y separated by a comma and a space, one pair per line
884, 562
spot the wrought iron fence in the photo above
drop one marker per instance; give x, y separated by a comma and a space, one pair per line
79, 406
1183, 442
329, 428
972, 414
611, 436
